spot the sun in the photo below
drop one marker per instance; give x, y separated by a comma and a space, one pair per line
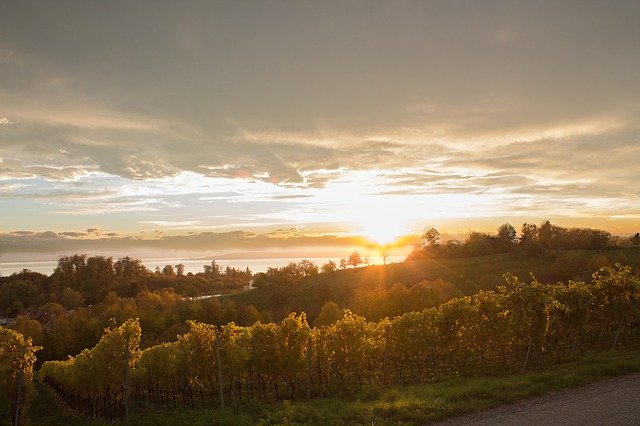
382, 232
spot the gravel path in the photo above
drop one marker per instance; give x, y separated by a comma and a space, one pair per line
609, 402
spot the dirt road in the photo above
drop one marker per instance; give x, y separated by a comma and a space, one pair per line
609, 402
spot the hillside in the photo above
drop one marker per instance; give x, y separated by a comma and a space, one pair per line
469, 274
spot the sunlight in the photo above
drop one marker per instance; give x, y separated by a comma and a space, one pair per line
382, 230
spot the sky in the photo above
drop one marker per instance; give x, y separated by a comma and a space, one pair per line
224, 124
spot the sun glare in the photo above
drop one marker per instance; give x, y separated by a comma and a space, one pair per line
382, 232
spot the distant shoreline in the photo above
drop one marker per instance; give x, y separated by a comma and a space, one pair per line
194, 265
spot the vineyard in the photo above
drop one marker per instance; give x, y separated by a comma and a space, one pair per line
517, 327
17, 357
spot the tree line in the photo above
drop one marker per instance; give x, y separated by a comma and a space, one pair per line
533, 240
80, 280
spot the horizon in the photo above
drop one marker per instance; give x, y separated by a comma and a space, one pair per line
25, 247
305, 127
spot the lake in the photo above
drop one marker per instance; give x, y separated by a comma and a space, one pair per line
191, 265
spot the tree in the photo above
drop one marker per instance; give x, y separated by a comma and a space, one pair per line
15, 296
549, 235
479, 243
69, 272
529, 239
528, 233
100, 278
180, 269
71, 299
127, 269
430, 237
29, 328
636, 239
343, 263
308, 268
507, 235
261, 280
328, 267
215, 268
384, 254
212, 270
354, 259
329, 315
168, 271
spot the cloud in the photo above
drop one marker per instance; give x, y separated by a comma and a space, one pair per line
416, 101
76, 241
72, 234
259, 113
174, 224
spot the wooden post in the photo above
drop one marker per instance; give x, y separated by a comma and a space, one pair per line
309, 358
127, 380
16, 417
526, 360
219, 368
615, 339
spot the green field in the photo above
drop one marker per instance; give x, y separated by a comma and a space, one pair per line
470, 274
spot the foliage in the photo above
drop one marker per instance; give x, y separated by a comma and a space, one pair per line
533, 240
17, 358
490, 330
329, 315
392, 405
430, 237
355, 259
286, 277
329, 267
378, 303
15, 296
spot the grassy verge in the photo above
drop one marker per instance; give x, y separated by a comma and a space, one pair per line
379, 406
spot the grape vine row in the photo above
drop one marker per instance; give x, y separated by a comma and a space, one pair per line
519, 326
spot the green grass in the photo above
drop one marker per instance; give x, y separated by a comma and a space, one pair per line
469, 274
374, 405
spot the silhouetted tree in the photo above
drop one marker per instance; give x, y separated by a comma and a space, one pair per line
430, 237
355, 259
330, 266
384, 254
507, 235
308, 267
180, 269
168, 271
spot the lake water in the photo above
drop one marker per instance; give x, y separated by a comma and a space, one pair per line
190, 265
